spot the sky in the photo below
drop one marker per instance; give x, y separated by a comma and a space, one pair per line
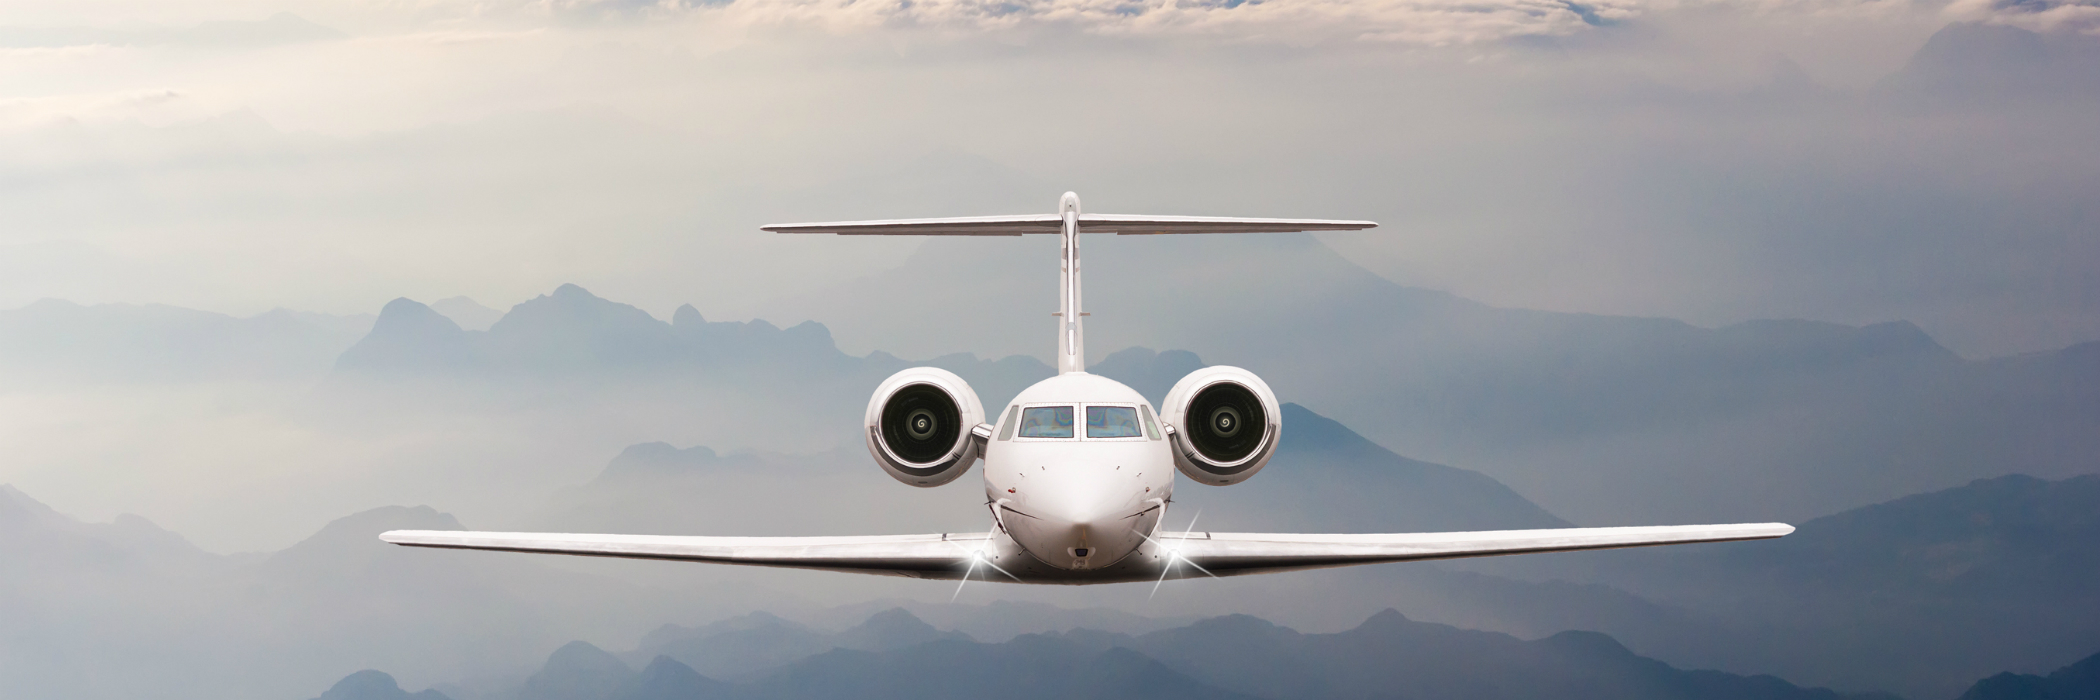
1714, 161
1708, 160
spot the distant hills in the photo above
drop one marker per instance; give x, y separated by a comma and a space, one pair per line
1324, 477
58, 343
1600, 419
1604, 420
1967, 65
1912, 595
893, 654
2079, 680
572, 333
128, 610
574, 359
375, 685
1920, 595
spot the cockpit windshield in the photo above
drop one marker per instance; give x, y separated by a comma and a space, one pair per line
1112, 422
1046, 422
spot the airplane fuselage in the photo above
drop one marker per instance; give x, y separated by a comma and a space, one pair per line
1078, 469
1078, 473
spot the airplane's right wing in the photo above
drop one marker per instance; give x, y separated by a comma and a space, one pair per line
937, 556
1232, 553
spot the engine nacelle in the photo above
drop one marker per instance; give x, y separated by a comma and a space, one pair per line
1225, 424
919, 426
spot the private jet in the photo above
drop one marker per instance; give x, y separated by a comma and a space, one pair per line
1079, 470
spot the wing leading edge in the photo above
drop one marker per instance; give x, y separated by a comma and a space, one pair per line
1238, 553
950, 556
918, 556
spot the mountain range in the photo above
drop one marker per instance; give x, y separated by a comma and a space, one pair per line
1575, 411
60, 343
1913, 595
893, 654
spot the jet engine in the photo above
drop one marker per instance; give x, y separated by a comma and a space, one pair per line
920, 425
1224, 423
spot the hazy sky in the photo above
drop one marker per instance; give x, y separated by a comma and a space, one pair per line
1711, 160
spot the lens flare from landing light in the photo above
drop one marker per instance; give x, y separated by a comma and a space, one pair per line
1174, 556
977, 558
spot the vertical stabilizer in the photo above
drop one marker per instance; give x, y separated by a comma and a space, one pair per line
1071, 332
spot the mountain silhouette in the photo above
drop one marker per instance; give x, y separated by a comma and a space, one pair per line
1235, 656
1391, 656
374, 685
54, 342
469, 314
577, 671
1324, 477
1920, 595
2079, 680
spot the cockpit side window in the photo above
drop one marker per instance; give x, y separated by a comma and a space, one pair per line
1112, 422
1151, 428
1013, 417
1046, 422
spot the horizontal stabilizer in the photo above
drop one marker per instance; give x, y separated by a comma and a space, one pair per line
1124, 224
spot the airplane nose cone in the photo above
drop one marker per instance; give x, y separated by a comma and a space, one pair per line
1074, 523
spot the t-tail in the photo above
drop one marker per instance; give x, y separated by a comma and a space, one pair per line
1069, 222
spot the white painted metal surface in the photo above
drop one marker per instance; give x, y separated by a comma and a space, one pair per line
1079, 469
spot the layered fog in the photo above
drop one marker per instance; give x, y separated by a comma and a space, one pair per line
277, 277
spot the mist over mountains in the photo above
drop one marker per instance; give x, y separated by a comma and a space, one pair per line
894, 654
1922, 595
195, 495
1602, 419
55, 343
569, 373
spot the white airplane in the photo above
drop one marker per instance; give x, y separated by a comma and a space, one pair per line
1078, 469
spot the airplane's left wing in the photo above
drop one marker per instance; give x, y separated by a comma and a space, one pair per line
938, 556
1233, 553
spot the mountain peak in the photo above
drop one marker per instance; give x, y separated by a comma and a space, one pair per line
374, 685
403, 311
665, 677
572, 330
686, 315
1150, 373
353, 540
577, 670
19, 509
658, 459
1386, 618
407, 336
1236, 625
894, 628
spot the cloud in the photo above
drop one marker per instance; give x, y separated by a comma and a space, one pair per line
280, 29
1432, 22
2082, 16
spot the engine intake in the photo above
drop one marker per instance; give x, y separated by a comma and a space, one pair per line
919, 423
1226, 424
